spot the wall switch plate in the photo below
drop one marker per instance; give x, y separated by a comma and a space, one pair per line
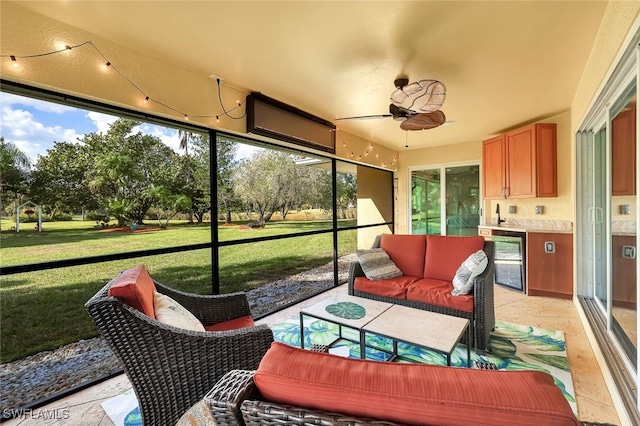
512, 209
625, 209
539, 209
549, 247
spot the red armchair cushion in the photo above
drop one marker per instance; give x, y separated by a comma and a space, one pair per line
241, 322
415, 394
445, 254
438, 292
392, 287
407, 252
135, 287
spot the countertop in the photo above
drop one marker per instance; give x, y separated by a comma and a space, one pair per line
533, 226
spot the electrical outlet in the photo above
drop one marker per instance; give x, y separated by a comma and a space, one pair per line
625, 209
539, 209
512, 209
549, 247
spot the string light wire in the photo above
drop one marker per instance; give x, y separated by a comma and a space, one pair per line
109, 65
368, 150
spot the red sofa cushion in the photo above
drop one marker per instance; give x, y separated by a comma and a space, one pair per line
135, 287
406, 251
392, 287
438, 292
415, 394
241, 322
445, 254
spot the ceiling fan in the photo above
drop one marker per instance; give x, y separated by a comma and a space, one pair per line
416, 105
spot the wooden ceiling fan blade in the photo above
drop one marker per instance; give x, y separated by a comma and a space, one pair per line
424, 121
365, 117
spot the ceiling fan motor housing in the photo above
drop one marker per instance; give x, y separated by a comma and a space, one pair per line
401, 82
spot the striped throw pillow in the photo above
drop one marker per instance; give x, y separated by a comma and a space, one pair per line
377, 265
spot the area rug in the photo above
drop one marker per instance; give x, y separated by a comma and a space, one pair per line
511, 346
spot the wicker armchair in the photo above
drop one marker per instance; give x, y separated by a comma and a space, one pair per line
171, 368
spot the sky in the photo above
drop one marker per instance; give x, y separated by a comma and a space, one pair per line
34, 125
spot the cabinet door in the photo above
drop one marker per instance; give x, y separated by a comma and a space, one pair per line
521, 163
623, 153
550, 274
493, 171
623, 272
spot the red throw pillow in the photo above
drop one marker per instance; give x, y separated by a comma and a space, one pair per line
135, 287
445, 254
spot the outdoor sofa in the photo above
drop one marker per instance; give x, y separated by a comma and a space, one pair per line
428, 264
301, 387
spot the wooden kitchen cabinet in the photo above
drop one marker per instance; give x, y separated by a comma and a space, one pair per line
623, 272
550, 274
493, 170
623, 153
521, 163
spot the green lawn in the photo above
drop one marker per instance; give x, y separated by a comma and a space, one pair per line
43, 310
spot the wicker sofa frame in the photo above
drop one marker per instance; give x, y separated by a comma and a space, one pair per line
482, 319
169, 368
235, 401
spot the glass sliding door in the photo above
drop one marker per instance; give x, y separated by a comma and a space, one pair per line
598, 159
425, 202
624, 229
463, 200
445, 200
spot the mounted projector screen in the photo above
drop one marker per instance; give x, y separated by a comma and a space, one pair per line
274, 119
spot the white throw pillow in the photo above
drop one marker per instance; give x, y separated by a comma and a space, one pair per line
473, 266
377, 265
172, 313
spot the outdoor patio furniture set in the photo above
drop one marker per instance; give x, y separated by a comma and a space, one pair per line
174, 358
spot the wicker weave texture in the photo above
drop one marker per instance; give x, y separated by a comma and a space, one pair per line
482, 318
169, 368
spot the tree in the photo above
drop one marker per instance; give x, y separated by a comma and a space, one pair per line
59, 180
125, 164
196, 182
227, 165
14, 172
167, 205
266, 183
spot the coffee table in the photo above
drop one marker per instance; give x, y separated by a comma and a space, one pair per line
438, 332
345, 311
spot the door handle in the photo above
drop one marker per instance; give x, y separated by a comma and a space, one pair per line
599, 216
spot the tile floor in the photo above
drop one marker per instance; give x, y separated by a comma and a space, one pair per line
593, 399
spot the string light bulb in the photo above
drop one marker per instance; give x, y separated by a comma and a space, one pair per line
146, 99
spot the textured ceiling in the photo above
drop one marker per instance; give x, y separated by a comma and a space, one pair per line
504, 63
